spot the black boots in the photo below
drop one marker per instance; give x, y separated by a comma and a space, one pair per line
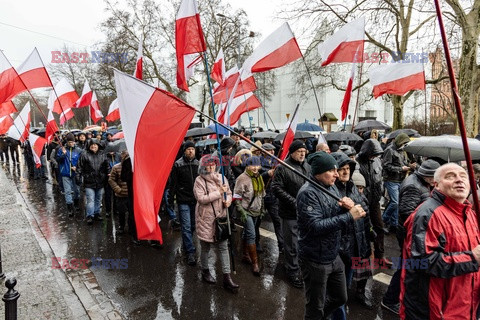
228, 283
70, 209
207, 277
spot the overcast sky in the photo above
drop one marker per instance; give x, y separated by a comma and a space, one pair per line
76, 24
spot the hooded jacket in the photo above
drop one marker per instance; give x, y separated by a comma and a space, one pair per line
68, 160
371, 169
94, 169
394, 159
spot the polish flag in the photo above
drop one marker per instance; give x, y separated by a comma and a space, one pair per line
37, 144
5, 123
95, 112
63, 97
138, 73
397, 78
218, 70
290, 135
113, 111
86, 98
278, 49
223, 92
189, 41
33, 73
348, 93
7, 108
51, 127
343, 44
238, 106
10, 83
66, 115
21, 125
150, 116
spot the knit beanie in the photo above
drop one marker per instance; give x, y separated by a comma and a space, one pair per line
226, 143
401, 139
358, 179
321, 162
428, 167
188, 144
295, 145
70, 137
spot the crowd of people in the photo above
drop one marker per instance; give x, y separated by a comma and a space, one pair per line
326, 242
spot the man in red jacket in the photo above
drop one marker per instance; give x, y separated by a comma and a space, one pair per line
440, 279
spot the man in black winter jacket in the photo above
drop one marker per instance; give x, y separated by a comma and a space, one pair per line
320, 222
285, 187
182, 177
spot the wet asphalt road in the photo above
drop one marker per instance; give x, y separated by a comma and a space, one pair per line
158, 284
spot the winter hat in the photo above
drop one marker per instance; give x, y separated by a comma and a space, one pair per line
253, 161
70, 137
358, 179
348, 150
296, 144
226, 143
428, 167
268, 146
401, 139
342, 159
321, 162
188, 144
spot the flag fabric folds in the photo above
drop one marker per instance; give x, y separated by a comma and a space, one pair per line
63, 97
150, 116
113, 111
189, 41
95, 112
7, 108
138, 73
343, 44
10, 83
21, 125
218, 69
86, 98
348, 94
277, 50
5, 123
238, 106
66, 115
33, 73
397, 78
51, 127
290, 135
222, 93
37, 144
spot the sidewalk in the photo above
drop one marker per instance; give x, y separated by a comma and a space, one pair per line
45, 293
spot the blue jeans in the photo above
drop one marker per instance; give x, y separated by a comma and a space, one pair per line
70, 187
249, 229
390, 215
170, 211
187, 220
94, 201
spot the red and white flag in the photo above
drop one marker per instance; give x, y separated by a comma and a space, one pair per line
150, 116
95, 112
113, 111
343, 45
397, 78
10, 83
5, 123
218, 69
277, 50
189, 41
33, 72
289, 135
63, 97
7, 108
237, 107
21, 125
138, 73
51, 127
348, 93
66, 115
86, 98
224, 92
37, 144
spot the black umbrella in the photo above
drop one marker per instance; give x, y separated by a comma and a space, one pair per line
265, 135
298, 135
367, 125
342, 136
116, 146
198, 132
408, 132
204, 143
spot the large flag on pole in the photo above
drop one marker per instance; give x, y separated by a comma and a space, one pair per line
95, 112
348, 94
138, 73
189, 41
218, 69
5, 123
231, 77
33, 73
21, 125
37, 144
277, 50
238, 106
289, 135
10, 83
66, 115
343, 45
7, 108
150, 116
86, 98
51, 127
67, 97
113, 111
397, 78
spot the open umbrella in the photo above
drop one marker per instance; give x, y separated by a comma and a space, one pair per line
116, 146
367, 125
298, 135
446, 147
408, 132
342, 136
265, 135
93, 127
307, 126
198, 132
204, 143
118, 135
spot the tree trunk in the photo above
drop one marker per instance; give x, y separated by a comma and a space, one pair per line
397, 112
